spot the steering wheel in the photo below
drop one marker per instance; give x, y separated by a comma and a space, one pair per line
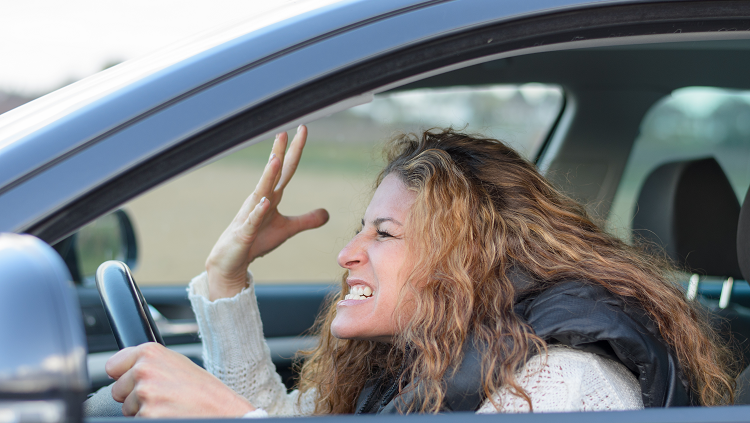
125, 306
131, 324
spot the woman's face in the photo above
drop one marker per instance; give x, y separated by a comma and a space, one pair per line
378, 264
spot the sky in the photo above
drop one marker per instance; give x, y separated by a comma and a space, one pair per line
45, 44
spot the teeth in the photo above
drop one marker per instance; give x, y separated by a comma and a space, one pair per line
358, 293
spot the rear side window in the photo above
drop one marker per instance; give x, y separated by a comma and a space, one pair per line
520, 115
177, 223
693, 122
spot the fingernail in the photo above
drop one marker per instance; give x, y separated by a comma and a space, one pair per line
110, 377
277, 136
272, 156
262, 200
299, 128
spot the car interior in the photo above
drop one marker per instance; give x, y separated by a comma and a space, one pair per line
653, 137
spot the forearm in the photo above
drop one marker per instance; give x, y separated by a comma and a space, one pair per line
235, 351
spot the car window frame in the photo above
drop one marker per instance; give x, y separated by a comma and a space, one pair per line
383, 72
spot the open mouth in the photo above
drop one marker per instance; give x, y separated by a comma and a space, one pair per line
359, 292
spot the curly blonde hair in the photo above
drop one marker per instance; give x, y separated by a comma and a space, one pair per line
480, 209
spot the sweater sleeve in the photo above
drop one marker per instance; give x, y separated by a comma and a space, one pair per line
570, 380
235, 351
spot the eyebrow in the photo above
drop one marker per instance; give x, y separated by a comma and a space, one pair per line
380, 220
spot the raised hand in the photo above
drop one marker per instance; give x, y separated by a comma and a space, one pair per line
258, 227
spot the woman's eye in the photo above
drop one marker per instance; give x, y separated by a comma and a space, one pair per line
382, 233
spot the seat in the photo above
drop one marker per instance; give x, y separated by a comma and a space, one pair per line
743, 257
690, 209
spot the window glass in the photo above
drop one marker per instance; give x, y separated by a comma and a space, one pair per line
693, 122
97, 244
520, 115
177, 224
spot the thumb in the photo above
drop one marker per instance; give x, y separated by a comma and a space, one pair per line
310, 220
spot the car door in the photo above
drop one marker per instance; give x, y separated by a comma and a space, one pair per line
328, 74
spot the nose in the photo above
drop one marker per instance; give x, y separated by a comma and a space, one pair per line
353, 254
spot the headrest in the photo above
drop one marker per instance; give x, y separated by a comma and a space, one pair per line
690, 209
743, 237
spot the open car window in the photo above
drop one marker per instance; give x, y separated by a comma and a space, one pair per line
177, 223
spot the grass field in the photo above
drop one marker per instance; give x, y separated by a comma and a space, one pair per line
178, 223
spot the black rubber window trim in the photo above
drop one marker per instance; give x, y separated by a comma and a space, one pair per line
563, 27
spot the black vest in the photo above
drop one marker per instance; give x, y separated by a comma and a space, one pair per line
579, 314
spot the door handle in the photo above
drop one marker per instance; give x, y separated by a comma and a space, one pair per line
170, 328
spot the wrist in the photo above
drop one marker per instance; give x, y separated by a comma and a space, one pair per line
243, 408
220, 286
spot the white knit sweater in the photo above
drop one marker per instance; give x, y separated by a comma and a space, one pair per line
234, 351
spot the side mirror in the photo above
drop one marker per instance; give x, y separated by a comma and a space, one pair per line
43, 374
110, 237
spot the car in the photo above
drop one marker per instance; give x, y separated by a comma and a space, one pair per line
609, 92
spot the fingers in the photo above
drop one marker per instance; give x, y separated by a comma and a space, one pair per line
279, 149
292, 157
254, 220
131, 367
131, 406
123, 388
121, 362
272, 179
268, 179
264, 188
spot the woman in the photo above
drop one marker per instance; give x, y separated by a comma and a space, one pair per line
472, 285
